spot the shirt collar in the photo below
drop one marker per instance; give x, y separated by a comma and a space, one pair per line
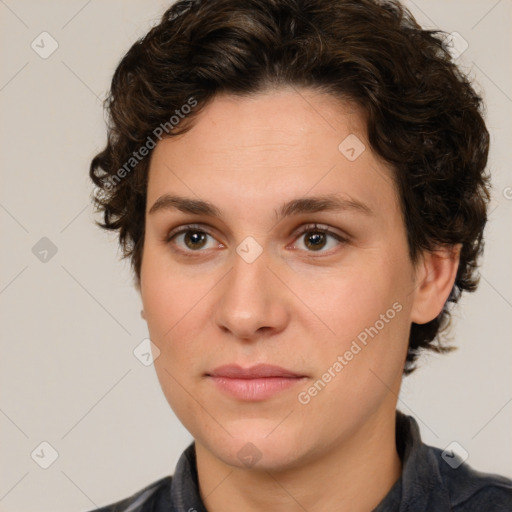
185, 496
420, 487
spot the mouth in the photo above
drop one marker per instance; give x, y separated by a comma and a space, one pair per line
256, 383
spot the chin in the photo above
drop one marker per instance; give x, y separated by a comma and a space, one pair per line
253, 445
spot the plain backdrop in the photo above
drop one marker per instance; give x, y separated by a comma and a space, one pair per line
71, 317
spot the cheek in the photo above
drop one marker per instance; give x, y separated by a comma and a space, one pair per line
351, 299
365, 309
355, 366
170, 302
164, 288
176, 308
164, 296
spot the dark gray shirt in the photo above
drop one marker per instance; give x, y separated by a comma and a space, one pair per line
429, 483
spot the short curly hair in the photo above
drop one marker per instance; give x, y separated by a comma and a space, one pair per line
422, 114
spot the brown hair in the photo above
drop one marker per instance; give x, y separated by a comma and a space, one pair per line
422, 114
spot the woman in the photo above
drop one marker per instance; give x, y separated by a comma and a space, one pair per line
301, 189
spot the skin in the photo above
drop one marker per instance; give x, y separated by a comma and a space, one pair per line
293, 306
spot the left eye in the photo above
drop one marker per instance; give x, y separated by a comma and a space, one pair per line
316, 239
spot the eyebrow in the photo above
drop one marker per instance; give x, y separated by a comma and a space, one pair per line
314, 204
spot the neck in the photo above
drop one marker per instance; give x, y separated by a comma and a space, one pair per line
354, 475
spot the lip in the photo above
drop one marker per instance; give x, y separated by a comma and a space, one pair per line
259, 371
255, 383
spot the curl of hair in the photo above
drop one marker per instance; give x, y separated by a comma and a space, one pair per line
422, 114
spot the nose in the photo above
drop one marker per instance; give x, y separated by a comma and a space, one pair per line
252, 302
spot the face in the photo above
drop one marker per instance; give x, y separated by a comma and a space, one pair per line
275, 278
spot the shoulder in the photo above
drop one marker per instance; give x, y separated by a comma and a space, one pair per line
471, 490
153, 498
435, 479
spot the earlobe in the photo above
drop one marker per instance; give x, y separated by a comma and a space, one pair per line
435, 276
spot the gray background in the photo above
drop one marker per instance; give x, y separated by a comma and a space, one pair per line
70, 324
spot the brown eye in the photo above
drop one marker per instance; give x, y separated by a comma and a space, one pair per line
195, 239
316, 239
192, 239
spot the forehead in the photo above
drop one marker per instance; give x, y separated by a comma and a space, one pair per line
270, 147
276, 121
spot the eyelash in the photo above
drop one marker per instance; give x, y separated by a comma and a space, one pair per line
309, 228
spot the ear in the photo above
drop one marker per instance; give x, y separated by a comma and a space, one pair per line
435, 274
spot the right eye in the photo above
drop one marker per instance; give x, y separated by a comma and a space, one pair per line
191, 239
